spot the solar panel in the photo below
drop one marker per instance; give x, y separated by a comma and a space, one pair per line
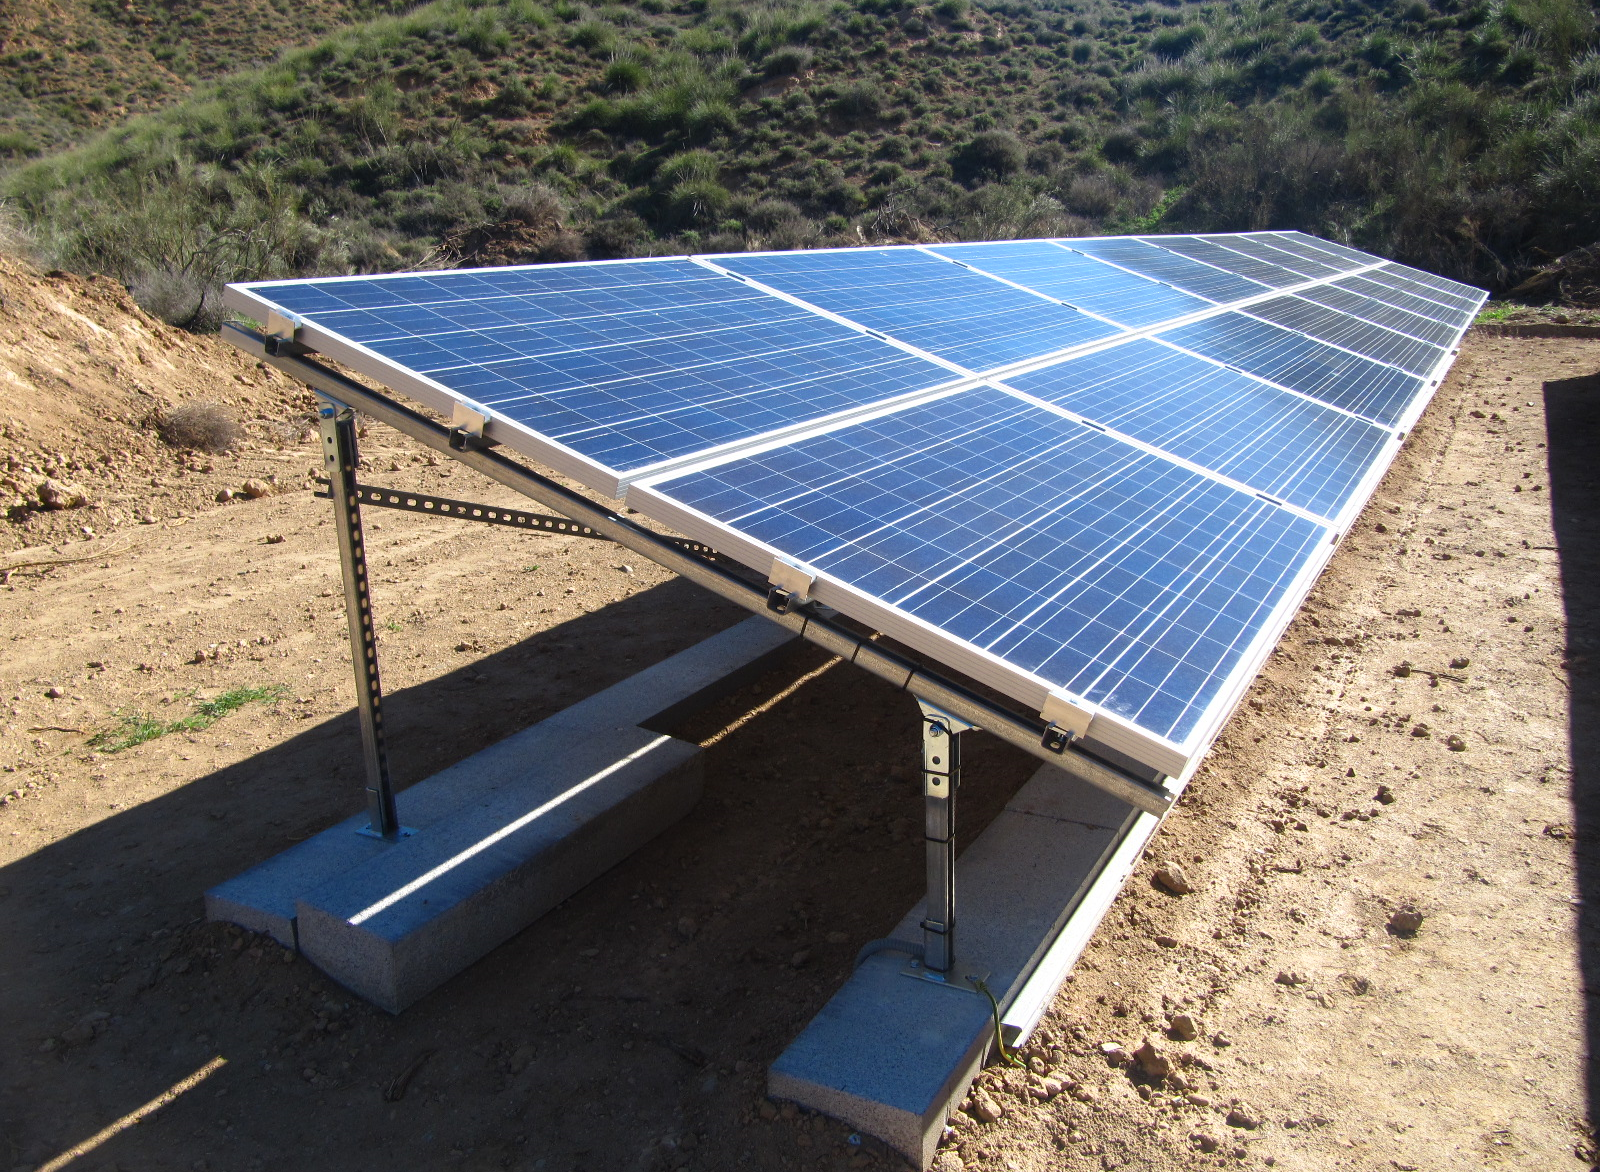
925, 301
1181, 272
1350, 333
1337, 377
1090, 285
1309, 455
1230, 260
1103, 471
1032, 546
614, 366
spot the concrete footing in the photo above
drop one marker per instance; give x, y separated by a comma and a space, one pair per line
892, 1054
499, 838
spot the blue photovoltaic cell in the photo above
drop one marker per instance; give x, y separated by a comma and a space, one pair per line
1351, 333
1301, 262
1091, 285
1345, 380
1302, 452
1463, 295
1456, 319
1229, 260
628, 364
1350, 258
1127, 579
1382, 313
1159, 264
1434, 288
962, 316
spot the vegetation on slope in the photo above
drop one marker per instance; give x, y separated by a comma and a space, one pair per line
70, 66
1464, 137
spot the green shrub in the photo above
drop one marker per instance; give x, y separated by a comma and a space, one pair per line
993, 154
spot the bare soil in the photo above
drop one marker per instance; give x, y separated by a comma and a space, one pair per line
632, 1027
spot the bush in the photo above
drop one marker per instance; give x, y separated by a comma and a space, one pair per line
993, 154
205, 427
179, 299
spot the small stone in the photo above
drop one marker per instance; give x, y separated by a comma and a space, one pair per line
56, 494
224, 495
1241, 1114
1455, 743
256, 489
1115, 1053
986, 1109
274, 539
1185, 1027
1405, 921
1051, 1087
1206, 1143
1460, 662
1200, 1101
768, 1110
1420, 730
1167, 941
948, 1161
800, 959
55, 693
1152, 1060
1384, 795
1402, 670
1171, 876
687, 927
1221, 1040
1286, 977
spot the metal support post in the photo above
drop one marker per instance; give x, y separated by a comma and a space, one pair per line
339, 460
941, 776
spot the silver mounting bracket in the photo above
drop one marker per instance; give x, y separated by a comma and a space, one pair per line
283, 335
466, 426
960, 982
1067, 719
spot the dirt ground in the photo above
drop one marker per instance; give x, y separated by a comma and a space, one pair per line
632, 1027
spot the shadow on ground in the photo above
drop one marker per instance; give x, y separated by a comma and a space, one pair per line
1572, 413
629, 1029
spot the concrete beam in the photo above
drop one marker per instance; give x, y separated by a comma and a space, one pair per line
891, 1054
499, 837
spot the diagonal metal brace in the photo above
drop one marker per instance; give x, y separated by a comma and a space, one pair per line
440, 506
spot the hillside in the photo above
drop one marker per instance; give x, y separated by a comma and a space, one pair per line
1461, 137
68, 67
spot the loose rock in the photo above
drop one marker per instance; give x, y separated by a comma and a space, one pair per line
986, 1109
1206, 1143
1405, 921
1171, 876
56, 494
1152, 1060
1184, 1027
1385, 795
256, 489
1241, 1114
1115, 1053
1167, 941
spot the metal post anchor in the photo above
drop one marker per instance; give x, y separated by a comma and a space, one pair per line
339, 460
941, 776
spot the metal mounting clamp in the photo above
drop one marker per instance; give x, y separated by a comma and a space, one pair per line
1066, 719
283, 335
466, 426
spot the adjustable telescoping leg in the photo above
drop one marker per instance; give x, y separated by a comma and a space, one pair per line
339, 460
941, 776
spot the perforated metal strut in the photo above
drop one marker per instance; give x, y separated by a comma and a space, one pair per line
339, 460
941, 777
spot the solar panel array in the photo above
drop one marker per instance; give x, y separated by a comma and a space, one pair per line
1096, 473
